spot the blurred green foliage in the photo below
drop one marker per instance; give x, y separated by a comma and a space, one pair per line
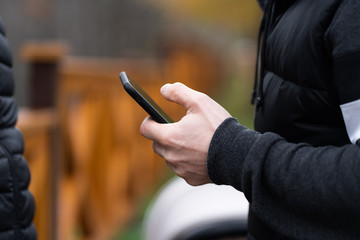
234, 15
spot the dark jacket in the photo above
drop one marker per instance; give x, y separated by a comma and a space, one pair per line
16, 202
303, 181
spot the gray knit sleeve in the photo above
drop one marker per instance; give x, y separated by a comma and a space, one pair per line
283, 181
228, 150
342, 39
344, 31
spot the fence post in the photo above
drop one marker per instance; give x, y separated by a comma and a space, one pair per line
43, 60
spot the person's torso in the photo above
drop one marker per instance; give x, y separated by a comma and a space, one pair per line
299, 102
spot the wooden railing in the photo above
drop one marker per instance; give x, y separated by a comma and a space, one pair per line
108, 165
39, 130
91, 167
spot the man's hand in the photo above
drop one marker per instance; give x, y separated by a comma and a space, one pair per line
185, 144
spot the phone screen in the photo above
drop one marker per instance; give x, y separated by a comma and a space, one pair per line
144, 100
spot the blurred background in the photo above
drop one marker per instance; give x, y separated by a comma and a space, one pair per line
93, 175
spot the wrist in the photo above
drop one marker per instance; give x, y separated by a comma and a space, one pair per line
228, 149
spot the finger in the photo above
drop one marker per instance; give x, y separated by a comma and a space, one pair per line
159, 149
153, 130
180, 94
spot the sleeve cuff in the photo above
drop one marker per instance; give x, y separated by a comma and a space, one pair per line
228, 149
347, 77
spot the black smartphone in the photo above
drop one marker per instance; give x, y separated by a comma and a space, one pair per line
144, 100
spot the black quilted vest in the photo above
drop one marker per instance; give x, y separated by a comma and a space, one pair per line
17, 205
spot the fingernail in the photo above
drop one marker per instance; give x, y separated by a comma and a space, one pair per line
164, 88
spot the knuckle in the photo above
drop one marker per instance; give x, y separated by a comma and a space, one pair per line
157, 149
169, 137
143, 128
177, 89
178, 85
200, 99
190, 182
171, 158
179, 172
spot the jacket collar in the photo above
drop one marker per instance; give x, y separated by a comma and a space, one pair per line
283, 4
263, 4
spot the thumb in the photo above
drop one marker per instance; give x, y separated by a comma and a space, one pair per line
180, 94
